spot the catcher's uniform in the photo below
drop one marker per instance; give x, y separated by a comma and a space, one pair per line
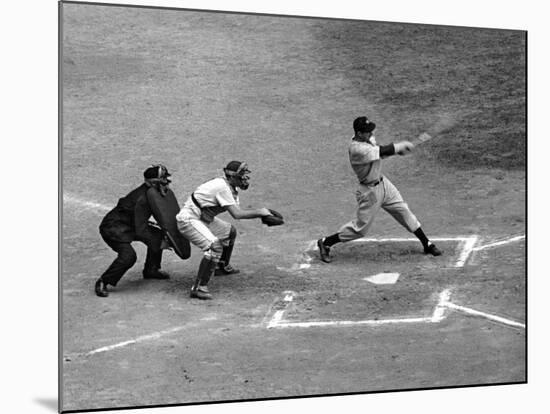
374, 191
197, 219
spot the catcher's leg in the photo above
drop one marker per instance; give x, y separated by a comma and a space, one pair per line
206, 269
200, 287
198, 233
224, 268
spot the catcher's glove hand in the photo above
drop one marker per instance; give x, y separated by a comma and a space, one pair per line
275, 219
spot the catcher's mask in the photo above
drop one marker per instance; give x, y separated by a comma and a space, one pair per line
158, 176
237, 172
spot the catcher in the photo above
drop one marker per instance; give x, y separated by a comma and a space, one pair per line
198, 223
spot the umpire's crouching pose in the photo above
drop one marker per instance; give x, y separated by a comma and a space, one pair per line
128, 222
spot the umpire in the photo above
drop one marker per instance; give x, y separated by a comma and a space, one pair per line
128, 222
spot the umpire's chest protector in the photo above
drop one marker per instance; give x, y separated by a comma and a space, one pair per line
164, 210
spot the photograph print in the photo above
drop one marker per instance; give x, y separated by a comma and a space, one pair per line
258, 207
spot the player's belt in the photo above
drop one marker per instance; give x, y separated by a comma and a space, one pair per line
372, 183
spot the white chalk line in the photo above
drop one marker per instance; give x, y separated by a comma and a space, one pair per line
401, 239
439, 314
89, 205
439, 311
489, 316
278, 315
465, 247
143, 338
499, 243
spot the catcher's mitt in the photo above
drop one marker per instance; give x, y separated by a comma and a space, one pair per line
276, 219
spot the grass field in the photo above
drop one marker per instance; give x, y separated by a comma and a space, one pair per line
194, 90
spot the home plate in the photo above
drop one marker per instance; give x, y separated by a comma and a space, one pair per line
383, 278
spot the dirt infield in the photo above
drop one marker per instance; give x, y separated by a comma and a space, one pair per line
196, 90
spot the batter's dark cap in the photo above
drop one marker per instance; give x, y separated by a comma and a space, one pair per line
156, 171
237, 167
362, 124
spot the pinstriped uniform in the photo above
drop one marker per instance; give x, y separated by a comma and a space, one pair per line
374, 192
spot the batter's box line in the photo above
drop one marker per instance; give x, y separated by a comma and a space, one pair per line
439, 313
463, 250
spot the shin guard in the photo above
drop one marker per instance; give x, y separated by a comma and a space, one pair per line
228, 249
206, 269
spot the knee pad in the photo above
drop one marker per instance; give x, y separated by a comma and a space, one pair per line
214, 252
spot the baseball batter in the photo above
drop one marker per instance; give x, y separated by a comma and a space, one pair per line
374, 191
197, 221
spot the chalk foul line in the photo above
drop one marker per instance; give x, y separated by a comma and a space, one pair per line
499, 243
474, 312
139, 339
439, 314
89, 205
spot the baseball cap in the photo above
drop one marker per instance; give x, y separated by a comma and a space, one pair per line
156, 171
362, 124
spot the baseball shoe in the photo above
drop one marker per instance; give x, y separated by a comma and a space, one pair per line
101, 288
431, 249
324, 251
200, 293
155, 274
226, 270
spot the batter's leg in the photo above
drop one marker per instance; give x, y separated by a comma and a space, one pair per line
369, 200
400, 211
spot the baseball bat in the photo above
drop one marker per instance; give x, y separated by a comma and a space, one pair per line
445, 122
423, 137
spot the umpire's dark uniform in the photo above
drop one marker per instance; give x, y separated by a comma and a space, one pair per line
128, 222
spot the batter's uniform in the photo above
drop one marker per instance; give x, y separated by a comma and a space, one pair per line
374, 191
